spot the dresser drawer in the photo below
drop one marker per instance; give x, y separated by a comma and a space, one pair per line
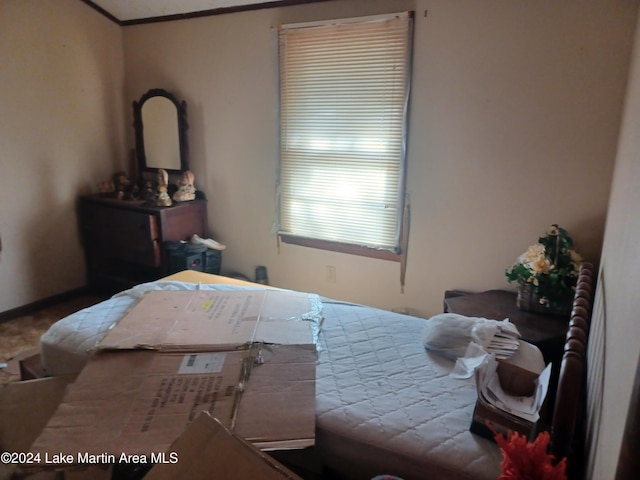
124, 241
122, 235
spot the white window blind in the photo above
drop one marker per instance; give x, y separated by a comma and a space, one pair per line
343, 105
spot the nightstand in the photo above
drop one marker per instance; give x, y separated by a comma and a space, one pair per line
547, 332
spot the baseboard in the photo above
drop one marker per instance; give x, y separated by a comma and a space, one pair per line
44, 303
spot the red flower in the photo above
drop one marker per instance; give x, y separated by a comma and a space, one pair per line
524, 460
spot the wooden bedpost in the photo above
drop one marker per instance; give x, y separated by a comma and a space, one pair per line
570, 397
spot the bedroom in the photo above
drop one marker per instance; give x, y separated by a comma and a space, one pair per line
497, 87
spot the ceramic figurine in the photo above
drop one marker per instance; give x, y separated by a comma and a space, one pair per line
186, 191
106, 188
164, 200
148, 194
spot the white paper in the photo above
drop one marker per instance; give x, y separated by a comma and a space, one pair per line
473, 358
491, 391
202, 363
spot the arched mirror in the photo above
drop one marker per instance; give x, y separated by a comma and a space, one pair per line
160, 122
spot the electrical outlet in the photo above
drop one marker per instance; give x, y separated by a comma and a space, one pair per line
331, 274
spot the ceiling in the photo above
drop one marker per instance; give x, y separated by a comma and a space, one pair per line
130, 12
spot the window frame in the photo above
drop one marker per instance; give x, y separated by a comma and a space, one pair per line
398, 252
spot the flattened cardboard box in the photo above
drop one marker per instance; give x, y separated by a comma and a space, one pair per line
25, 409
138, 401
216, 320
208, 449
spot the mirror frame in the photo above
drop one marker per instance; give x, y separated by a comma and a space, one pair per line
181, 115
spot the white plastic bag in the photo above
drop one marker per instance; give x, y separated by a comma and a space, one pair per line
459, 338
449, 334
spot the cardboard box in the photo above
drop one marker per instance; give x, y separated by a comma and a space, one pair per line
31, 367
218, 320
246, 357
208, 449
25, 366
517, 376
487, 419
26, 408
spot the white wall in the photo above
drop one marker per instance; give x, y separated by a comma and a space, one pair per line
61, 131
619, 281
514, 118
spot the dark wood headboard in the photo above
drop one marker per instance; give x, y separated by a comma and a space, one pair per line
570, 396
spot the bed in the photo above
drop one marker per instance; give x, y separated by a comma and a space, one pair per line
384, 405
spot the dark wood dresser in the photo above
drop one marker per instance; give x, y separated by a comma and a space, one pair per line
124, 241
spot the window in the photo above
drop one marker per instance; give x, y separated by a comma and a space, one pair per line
344, 89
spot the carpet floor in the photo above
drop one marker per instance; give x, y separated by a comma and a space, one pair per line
21, 336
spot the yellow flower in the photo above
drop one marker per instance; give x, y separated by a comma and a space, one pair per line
533, 253
540, 265
549, 266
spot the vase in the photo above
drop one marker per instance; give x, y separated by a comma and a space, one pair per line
528, 301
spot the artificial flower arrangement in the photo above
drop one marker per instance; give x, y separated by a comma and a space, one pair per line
524, 460
549, 269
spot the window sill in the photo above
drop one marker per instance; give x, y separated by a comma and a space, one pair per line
341, 247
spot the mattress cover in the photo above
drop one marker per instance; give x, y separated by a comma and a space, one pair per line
384, 405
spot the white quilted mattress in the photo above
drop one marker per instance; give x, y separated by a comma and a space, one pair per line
383, 404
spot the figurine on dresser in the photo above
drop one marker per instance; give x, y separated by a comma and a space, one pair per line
148, 194
164, 200
186, 190
125, 189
